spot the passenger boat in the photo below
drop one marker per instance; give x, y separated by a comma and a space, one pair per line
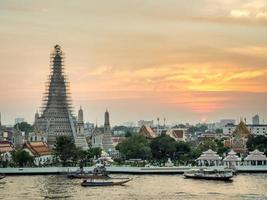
93, 183
88, 176
99, 172
207, 174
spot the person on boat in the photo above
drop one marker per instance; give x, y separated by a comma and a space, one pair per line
81, 168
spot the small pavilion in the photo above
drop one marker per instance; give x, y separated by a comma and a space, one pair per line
256, 158
231, 160
209, 158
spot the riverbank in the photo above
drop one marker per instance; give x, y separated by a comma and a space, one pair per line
121, 170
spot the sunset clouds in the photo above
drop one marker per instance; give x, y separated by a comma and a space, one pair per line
184, 60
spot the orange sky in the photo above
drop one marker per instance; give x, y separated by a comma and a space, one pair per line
183, 60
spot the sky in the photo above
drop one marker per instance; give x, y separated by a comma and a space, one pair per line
187, 60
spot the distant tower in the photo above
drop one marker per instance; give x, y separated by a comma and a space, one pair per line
56, 118
256, 120
107, 137
80, 140
106, 123
80, 123
36, 117
0, 121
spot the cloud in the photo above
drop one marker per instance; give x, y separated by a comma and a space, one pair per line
256, 51
239, 13
261, 15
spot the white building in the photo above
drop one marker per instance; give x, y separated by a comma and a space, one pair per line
255, 129
209, 158
231, 160
19, 120
256, 120
141, 123
224, 122
37, 137
40, 151
256, 157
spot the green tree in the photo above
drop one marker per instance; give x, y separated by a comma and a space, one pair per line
95, 152
85, 157
257, 142
221, 149
219, 130
215, 145
163, 147
183, 151
202, 128
204, 146
128, 134
135, 147
24, 126
22, 158
66, 150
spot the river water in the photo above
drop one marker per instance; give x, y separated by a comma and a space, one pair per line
244, 186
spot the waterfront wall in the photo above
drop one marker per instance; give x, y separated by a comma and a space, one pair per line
120, 170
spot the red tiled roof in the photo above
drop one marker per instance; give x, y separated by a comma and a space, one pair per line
6, 146
178, 134
147, 132
38, 148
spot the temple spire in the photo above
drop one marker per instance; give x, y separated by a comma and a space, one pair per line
107, 136
106, 124
56, 117
80, 115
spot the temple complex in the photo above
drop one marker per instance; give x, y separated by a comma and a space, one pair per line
238, 139
56, 118
103, 139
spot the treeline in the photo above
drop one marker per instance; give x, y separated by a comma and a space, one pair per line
67, 154
160, 149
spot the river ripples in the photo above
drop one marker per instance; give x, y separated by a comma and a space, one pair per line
244, 186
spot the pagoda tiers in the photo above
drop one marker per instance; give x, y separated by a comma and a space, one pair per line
256, 157
209, 158
239, 138
232, 160
56, 118
242, 130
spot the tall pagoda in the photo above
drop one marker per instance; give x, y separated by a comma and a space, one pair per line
56, 118
107, 137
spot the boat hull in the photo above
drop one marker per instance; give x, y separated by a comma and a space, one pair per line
217, 178
103, 184
87, 176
